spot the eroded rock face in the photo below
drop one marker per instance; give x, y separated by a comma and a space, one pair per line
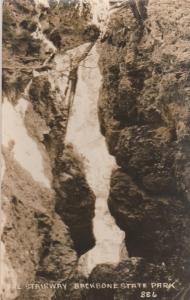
148, 156
131, 279
37, 242
20, 51
46, 103
41, 243
150, 224
75, 201
144, 115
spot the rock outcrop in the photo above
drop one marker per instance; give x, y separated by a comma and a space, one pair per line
46, 227
131, 279
75, 200
144, 115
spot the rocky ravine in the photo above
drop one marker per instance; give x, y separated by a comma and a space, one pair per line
48, 205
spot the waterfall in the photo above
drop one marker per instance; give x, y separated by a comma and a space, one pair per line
84, 133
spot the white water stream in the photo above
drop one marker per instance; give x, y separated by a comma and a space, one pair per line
84, 133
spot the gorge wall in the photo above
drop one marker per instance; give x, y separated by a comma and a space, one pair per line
144, 115
48, 204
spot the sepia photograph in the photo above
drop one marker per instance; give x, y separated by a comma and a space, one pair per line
95, 150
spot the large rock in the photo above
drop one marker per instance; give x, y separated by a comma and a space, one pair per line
148, 155
67, 24
75, 201
144, 115
38, 244
132, 279
156, 229
21, 52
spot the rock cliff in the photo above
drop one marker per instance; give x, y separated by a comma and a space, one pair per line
144, 115
47, 204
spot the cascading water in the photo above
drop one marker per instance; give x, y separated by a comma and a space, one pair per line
84, 133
